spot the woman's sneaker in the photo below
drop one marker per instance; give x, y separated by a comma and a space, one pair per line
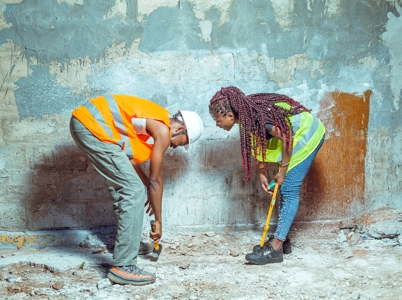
287, 248
265, 255
130, 275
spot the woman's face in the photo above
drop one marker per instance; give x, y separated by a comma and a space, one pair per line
224, 122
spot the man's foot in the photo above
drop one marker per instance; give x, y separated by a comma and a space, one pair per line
265, 255
130, 275
145, 248
287, 247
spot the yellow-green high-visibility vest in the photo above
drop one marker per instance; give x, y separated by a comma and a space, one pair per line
308, 132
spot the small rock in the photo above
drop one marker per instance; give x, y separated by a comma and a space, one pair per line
341, 237
137, 297
234, 252
184, 266
354, 239
20, 295
104, 283
355, 295
58, 285
210, 234
13, 278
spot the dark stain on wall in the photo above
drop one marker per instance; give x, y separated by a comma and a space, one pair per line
335, 183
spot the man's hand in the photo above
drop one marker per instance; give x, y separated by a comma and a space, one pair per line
156, 234
148, 205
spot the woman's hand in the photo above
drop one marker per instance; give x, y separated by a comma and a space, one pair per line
280, 176
264, 183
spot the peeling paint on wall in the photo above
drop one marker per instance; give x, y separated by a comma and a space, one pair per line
283, 12
392, 38
55, 54
18, 241
335, 185
146, 7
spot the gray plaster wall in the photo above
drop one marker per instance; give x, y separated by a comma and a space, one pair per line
56, 54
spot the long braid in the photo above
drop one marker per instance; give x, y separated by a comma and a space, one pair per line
253, 112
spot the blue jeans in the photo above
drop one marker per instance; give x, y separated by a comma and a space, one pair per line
290, 190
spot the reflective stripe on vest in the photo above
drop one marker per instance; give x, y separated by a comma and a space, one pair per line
109, 118
99, 118
118, 121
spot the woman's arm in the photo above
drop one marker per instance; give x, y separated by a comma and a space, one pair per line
286, 153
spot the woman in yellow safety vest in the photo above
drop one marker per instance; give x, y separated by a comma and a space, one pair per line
273, 128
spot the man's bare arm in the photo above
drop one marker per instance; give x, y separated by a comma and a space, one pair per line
161, 135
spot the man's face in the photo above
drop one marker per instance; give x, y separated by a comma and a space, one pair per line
180, 140
224, 122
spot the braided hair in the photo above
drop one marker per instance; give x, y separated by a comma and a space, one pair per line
254, 112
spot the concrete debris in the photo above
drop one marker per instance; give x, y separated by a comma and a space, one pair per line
92, 242
385, 229
234, 252
104, 283
13, 278
58, 285
348, 253
341, 237
334, 264
355, 295
354, 238
184, 266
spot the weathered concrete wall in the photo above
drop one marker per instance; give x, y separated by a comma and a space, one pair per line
341, 58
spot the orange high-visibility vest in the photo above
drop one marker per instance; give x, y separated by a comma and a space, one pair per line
109, 118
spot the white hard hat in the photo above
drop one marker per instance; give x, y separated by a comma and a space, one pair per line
194, 126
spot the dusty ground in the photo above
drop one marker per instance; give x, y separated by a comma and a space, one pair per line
329, 261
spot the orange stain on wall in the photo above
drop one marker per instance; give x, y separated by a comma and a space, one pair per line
335, 182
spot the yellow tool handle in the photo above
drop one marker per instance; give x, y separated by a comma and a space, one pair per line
156, 246
271, 207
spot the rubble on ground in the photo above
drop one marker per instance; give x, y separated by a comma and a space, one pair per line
355, 259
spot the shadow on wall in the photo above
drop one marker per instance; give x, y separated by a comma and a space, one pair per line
242, 203
66, 192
